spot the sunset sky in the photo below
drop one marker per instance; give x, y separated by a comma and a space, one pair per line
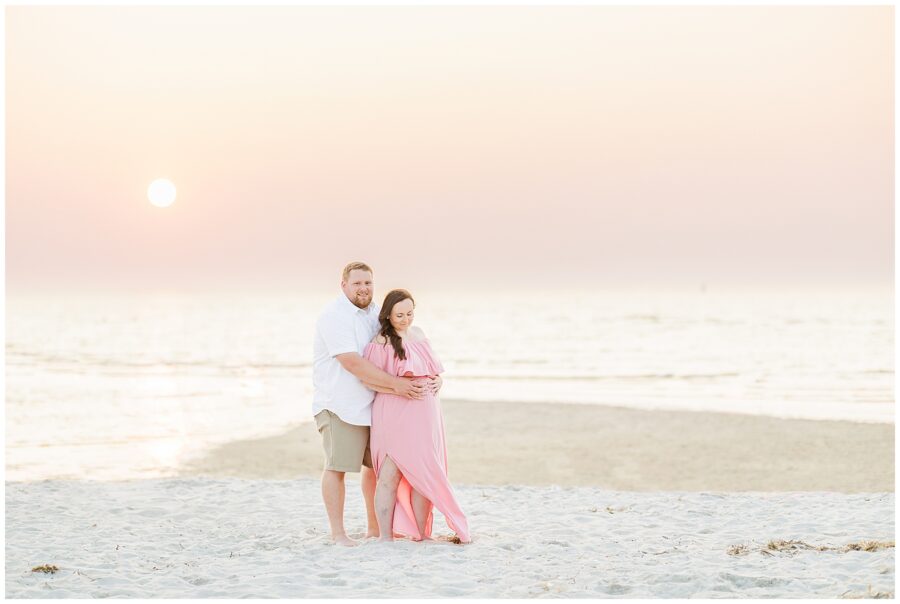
472, 146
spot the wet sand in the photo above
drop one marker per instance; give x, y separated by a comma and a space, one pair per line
612, 448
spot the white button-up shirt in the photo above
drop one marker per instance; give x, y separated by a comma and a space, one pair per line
342, 327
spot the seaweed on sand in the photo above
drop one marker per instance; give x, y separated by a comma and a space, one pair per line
792, 546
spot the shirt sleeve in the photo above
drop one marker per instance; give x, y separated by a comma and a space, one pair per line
339, 335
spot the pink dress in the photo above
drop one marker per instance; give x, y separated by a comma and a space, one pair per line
411, 431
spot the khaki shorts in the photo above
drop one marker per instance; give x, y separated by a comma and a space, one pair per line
346, 445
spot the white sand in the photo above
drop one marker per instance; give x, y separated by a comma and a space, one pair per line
202, 537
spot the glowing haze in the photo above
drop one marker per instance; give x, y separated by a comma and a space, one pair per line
501, 146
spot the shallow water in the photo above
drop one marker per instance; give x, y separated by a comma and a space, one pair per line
127, 386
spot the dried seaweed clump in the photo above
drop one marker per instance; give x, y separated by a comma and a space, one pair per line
859, 546
782, 545
868, 546
792, 546
45, 568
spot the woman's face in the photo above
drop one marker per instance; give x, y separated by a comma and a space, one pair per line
402, 315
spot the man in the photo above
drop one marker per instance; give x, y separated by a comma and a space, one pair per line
342, 405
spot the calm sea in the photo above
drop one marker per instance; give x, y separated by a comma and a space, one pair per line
128, 386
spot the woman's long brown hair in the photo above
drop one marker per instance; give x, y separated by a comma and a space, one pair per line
384, 317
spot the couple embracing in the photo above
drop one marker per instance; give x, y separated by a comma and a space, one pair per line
376, 383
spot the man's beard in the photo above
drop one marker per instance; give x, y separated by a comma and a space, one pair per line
362, 301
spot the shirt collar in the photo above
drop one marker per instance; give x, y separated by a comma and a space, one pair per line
348, 305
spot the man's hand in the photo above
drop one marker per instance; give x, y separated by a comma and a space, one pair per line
411, 388
435, 383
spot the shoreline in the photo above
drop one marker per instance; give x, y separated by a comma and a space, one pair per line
614, 448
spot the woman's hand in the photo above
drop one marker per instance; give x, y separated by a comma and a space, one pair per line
410, 388
435, 383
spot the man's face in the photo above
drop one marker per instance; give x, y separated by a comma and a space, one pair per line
359, 287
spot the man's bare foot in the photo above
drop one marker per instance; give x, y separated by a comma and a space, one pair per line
344, 540
385, 540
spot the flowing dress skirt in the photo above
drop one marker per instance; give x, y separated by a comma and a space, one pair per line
411, 432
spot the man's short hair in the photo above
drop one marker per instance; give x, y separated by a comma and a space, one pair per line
355, 266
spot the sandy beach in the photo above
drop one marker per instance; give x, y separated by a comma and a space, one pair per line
613, 448
563, 500
648, 249
202, 537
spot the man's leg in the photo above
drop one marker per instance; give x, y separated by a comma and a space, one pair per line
367, 481
333, 496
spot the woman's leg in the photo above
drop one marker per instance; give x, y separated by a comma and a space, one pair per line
421, 507
385, 498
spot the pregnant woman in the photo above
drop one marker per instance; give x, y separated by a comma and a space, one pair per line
407, 436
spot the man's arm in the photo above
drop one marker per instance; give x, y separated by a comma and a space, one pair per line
378, 388
368, 373
433, 384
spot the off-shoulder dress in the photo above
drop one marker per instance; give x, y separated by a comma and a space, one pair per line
411, 432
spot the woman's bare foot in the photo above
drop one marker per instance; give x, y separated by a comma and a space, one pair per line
372, 533
344, 540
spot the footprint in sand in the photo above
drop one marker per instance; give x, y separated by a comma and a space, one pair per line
614, 589
747, 581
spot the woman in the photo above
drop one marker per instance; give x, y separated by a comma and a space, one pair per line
407, 436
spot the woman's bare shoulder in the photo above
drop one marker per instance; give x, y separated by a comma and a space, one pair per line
420, 335
380, 339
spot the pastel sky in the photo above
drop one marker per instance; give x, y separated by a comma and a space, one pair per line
455, 146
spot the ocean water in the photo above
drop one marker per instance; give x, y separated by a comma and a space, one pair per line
129, 386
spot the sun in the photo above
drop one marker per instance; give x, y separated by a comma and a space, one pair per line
161, 193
